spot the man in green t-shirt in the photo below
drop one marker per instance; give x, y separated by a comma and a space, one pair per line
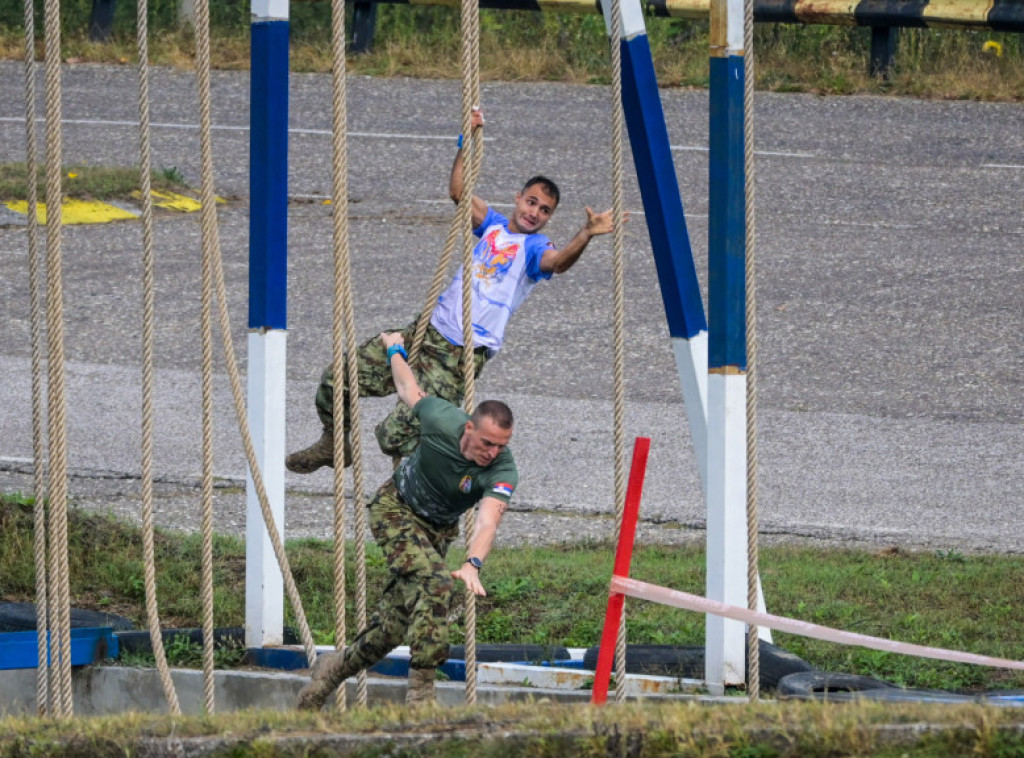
462, 461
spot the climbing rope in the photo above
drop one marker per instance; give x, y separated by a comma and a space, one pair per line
753, 648
342, 301
148, 340
59, 596
211, 242
618, 317
470, 98
38, 410
344, 320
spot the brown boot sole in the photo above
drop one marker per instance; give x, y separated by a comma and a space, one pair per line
298, 463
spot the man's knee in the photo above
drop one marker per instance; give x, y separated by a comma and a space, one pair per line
429, 638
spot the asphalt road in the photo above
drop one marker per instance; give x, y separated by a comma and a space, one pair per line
889, 236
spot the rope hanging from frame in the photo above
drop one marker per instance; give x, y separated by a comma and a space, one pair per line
750, 283
148, 340
38, 409
58, 613
618, 318
345, 362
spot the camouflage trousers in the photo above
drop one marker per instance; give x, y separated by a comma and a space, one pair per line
438, 370
414, 606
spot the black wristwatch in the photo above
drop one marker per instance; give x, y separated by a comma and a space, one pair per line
475, 562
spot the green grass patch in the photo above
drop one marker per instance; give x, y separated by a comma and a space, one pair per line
86, 182
540, 730
557, 595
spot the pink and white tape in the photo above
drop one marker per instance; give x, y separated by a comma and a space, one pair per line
665, 596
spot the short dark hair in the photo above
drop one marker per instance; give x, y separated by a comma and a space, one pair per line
546, 184
496, 411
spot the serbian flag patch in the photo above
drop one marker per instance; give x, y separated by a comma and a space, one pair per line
503, 488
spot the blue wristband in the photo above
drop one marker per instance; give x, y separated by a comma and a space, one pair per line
460, 142
397, 350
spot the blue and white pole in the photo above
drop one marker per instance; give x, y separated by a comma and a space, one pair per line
666, 224
268, 286
725, 648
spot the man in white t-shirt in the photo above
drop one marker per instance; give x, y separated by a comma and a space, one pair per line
511, 257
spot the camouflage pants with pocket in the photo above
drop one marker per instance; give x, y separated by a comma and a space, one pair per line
414, 606
438, 370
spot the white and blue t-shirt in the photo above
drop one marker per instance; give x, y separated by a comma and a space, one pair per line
506, 266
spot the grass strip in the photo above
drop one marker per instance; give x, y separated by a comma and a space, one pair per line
539, 730
557, 595
533, 46
86, 182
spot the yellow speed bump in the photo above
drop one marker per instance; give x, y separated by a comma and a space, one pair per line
172, 201
77, 212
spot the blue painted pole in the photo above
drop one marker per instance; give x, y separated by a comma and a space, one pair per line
268, 286
666, 223
725, 647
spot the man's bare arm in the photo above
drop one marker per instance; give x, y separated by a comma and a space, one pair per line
560, 261
488, 516
456, 182
408, 388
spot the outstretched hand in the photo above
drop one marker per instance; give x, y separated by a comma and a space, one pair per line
471, 578
602, 223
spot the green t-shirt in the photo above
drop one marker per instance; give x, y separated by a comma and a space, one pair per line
437, 481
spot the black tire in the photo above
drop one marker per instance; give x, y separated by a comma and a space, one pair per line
774, 663
688, 662
138, 641
21, 617
656, 660
494, 653
817, 685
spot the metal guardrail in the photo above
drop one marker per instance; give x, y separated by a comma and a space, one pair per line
997, 15
885, 17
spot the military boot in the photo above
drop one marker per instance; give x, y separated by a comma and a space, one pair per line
421, 686
319, 454
329, 670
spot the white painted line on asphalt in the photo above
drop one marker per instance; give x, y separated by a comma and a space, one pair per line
699, 149
1002, 165
784, 154
874, 224
231, 128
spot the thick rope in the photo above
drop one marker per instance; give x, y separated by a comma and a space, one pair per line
60, 597
38, 408
470, 99
753, 649
344, 348
208, 213
618, 318
148, 341
459, 223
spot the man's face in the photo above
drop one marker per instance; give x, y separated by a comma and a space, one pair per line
483, 442
534, 207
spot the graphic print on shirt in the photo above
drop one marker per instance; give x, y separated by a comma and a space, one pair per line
494, 260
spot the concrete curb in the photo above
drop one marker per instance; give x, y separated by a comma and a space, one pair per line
118, 689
